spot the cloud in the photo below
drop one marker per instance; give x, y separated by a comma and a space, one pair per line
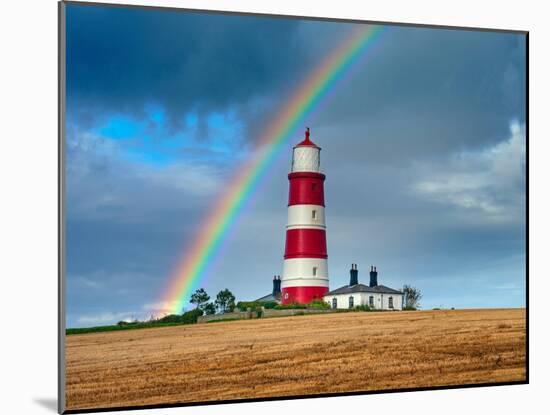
507, 286
87, 282
180, 61
426, 93
491, 180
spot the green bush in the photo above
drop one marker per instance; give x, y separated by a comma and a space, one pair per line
318, 305
362, 307
188, 317
291, 306
245, 305
409, 308
128, 323
170, 318
256, 305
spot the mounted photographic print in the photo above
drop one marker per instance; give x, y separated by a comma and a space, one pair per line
259, 207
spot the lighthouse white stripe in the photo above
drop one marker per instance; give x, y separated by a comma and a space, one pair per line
315, 268
306, 216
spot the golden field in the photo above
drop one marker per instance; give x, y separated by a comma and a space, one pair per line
312, 354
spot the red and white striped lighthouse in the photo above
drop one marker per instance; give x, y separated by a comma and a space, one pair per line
305, 271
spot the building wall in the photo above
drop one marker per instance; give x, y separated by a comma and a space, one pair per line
236, 315
381, 301
245, 315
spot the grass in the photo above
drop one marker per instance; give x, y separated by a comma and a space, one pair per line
99, 329
311, 354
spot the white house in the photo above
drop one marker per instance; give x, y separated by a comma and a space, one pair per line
376, 296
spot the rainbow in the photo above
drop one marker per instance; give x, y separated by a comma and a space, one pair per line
313, 93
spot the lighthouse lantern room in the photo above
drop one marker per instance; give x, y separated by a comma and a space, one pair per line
305, 271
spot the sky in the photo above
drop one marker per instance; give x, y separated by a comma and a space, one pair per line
423, 149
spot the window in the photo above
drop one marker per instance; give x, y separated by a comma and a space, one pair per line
351, 302
313, 186
334, 303
314, 271
314, 214
371, 301
390, 302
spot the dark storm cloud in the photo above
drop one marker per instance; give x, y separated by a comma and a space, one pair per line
425, 93
180, 61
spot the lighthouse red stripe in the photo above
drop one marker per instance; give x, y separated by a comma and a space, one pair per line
306, 243
306, 188
302, 295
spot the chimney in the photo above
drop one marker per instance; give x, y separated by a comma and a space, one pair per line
276, 285
373, 277
353, 280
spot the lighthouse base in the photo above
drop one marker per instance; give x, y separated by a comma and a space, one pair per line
302, 295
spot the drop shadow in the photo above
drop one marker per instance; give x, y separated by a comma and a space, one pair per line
48, 403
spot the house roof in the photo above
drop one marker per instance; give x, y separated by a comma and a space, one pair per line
269, 297
362, 288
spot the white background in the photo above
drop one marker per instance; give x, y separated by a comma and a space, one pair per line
28, 187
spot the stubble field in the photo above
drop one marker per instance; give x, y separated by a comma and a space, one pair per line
299, 355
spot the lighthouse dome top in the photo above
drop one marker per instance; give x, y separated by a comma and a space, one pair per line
307, 142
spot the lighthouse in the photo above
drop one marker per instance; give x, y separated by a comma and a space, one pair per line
305, 271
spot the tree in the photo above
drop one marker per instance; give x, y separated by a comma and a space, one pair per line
209, 308
412, 297
200, 298
225, 301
